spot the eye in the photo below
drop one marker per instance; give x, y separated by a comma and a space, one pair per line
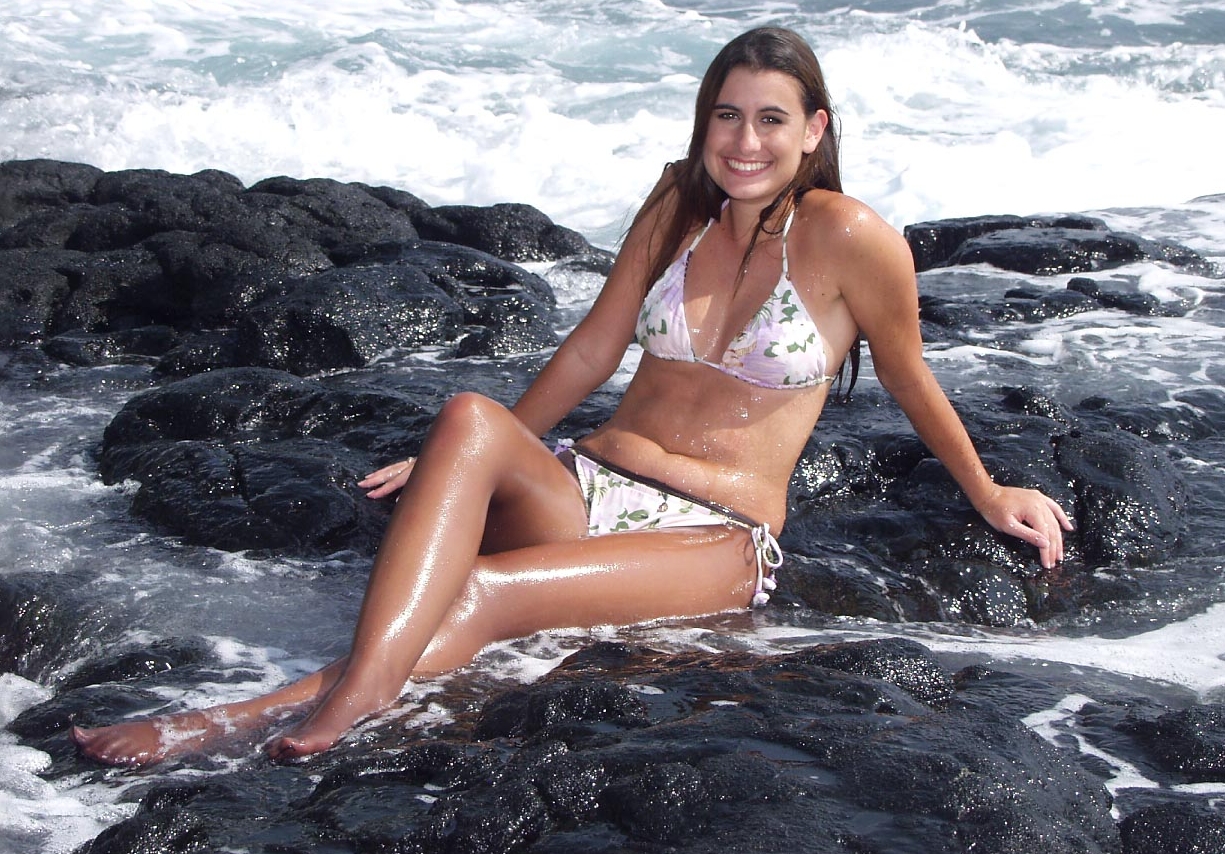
727, 115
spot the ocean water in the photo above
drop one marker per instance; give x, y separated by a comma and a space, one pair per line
948, 108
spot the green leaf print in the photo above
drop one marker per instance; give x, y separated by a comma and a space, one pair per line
653, 331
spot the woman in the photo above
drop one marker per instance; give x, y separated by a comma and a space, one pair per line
745, 277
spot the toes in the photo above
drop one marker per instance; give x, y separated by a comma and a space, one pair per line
110, 748
283, 748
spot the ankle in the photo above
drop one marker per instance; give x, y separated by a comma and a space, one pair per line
372, 686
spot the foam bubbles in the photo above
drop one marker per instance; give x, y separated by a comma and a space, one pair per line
575, 110
939, 123
38, 814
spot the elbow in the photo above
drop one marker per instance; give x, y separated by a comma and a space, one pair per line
599, 363
904, 382
891, 379
898, 364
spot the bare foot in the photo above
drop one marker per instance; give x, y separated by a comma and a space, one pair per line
136, 743
343, 708
314, 734
145, 742
289, 746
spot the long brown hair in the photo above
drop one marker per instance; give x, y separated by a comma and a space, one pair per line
697, 198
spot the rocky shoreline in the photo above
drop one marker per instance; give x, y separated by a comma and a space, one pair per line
263, 314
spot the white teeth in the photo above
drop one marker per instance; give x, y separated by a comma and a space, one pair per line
737, 166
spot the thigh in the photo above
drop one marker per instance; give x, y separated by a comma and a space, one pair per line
613, 579
481, 464
538, 502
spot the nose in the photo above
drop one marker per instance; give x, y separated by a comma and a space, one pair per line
749, 140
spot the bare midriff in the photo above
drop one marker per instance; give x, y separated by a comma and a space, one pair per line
711, 435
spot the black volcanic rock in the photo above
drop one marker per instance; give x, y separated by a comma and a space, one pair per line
512, 231
89, 252
1189, 742
84, 349
1173, 828
933, 243
28, 187
328, 213
33, 285
469, 275
248, 458
43, 623
877, 528
1130, 499
1048, 251
345, 318
1041, 245
834, 749
509, 325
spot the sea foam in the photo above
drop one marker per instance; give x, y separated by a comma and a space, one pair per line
479, 103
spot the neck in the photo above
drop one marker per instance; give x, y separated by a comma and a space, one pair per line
741, 221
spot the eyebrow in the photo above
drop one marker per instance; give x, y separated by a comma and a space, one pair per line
739, 110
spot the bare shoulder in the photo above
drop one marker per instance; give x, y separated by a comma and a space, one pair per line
840, 228
846, 254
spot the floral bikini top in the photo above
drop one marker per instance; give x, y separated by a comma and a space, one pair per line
780, 347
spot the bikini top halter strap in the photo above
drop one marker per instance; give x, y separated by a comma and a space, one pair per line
786, 230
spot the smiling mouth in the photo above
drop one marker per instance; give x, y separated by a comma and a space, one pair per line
746, 168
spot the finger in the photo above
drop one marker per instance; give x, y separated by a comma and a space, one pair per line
389, 479
1029, 533
387, 473
1053, 522
388, 486
381, 476
1038, 521
1063, 517
1044, 535
1053, 554
1037, 538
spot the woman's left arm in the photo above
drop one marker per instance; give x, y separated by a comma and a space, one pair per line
880, 290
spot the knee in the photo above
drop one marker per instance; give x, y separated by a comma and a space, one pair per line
467, 414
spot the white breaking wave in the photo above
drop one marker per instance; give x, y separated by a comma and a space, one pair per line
575, 107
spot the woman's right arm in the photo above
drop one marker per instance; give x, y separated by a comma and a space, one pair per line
594, 350
589, 355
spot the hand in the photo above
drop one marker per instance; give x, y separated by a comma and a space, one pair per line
388, 479
1031, 516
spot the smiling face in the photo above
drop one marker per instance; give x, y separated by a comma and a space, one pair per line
757, 133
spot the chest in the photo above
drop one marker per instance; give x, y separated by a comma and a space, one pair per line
726, 299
